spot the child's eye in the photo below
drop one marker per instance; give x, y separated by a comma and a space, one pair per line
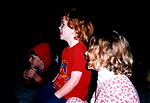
62, 24
31, 57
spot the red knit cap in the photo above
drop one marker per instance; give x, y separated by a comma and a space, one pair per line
44, 53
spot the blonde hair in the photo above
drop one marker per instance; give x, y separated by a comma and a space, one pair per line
80, 22
112, 51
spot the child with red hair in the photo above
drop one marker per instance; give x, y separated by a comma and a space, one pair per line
74, 77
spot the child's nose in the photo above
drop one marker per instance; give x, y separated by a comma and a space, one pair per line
59, 27
30, 59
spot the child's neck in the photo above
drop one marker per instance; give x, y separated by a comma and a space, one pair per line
72, 43
104, 75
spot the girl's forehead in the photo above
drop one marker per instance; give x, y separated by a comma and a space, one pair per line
63, 19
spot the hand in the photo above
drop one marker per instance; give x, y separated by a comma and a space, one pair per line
32, 73
25, 74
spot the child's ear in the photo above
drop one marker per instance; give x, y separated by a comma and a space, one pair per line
73, 32
76, 32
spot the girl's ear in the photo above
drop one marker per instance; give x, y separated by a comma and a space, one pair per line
74, 32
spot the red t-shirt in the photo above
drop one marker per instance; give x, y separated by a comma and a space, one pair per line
73, 59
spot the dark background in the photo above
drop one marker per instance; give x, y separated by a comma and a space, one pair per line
24, 23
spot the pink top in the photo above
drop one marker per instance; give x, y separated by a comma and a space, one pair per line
117, 89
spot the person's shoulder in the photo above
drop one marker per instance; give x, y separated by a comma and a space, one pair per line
81, 45
79, 49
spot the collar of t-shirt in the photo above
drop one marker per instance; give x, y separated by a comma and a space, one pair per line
104, 75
